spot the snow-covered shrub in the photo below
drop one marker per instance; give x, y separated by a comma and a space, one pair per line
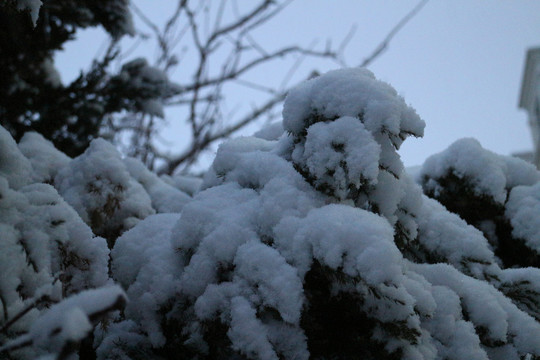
145, 265
346, 128
307, 240
46, 160
165, 197
59, 331
112, 194
318, 245
46, 251
100, 188
490, 192
14, 166
499, 196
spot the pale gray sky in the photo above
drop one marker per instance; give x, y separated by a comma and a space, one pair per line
459, 63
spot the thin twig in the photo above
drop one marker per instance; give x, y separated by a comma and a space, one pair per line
384, 44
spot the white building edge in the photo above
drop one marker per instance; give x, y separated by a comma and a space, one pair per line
529, 100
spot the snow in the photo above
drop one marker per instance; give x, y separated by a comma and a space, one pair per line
341, 236
45, 159
502, 320
448, 238
488, 173
45, 240
165, 198
355, 93
340, 154
245, 242
14, 167
185, 183
277, 281
522, 209
249, 237
144, 263
247, 334
71, 319
99, 187
271, 131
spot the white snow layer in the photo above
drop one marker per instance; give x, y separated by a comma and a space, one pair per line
46, 160
523, 210
71, 320
14, 167
489, 173
45, 240
354, 93
145, 264
99, 187
165, 197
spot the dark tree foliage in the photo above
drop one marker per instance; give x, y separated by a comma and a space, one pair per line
32, 98
457, 194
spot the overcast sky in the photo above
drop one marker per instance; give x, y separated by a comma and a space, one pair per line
459, 63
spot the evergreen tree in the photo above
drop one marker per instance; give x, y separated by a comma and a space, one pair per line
47, 252
490, 192
32, 96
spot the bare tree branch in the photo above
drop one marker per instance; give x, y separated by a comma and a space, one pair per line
226, 52
248, 66
386, 42
197, 148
